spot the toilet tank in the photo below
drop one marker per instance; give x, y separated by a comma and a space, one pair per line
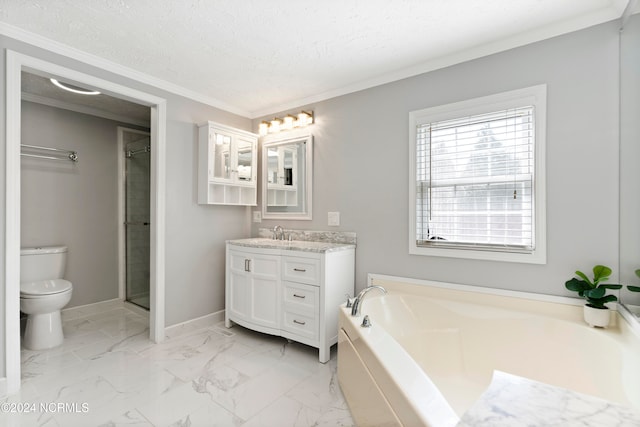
42, 263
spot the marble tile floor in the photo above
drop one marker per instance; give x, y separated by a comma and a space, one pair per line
107, 373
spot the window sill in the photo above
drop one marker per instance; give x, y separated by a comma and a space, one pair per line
538, 256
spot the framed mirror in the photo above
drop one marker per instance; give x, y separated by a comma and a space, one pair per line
287, 171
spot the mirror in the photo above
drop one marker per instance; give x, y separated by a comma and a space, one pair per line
287, 177
629, 154
221, 157
245, 159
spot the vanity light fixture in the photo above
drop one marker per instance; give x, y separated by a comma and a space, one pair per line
74, 89
290, 121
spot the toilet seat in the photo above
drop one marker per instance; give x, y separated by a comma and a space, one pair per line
43, 288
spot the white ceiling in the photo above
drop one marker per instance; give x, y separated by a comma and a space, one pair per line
255, 57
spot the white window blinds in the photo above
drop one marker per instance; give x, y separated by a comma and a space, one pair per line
475, 181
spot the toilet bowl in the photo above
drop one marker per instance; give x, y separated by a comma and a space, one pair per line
43, 293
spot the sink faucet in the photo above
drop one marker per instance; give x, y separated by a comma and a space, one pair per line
278, 231
357, 304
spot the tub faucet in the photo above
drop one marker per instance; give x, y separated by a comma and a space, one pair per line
357, 304
278, 231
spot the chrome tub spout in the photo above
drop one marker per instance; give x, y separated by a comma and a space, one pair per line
357, 304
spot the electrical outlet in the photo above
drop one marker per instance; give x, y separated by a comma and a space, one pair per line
333, 219
257, 216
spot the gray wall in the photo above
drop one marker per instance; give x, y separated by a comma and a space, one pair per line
361, 161
73, 203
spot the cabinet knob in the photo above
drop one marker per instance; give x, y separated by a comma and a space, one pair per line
300, 270
247, 265
299, 296
299, 322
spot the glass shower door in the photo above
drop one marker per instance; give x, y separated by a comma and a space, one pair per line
137, 218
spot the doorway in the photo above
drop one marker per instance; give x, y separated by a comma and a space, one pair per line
15, 64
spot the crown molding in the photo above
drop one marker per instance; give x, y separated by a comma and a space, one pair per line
615, 11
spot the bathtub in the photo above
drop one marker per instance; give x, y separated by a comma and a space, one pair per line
433, 347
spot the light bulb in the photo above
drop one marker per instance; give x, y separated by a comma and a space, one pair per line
289, 121
304, 118
275, 125
74, 89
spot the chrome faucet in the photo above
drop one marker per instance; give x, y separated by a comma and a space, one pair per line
278, 231
357, 304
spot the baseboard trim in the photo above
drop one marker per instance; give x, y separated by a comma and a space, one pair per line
189, 326
89, 309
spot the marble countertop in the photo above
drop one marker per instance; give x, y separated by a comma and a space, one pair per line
513, 401
291, 245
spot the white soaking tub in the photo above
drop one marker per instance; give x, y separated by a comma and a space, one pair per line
432, 351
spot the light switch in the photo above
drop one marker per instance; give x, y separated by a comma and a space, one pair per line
257, 216
334, 218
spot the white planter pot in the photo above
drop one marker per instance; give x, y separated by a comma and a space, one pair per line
597, 317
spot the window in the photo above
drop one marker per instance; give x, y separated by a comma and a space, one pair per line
477, 178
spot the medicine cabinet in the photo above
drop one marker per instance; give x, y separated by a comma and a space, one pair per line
227, 159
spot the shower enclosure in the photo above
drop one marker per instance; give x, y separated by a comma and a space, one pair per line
137, 167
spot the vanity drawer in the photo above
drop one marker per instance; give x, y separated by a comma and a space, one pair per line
301, 298
301, 325
301, 270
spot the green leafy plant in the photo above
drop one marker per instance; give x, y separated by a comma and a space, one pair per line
593, 290
634, 288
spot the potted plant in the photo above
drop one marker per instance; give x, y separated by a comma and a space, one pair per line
596, 313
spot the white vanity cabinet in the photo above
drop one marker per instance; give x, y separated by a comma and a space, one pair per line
227, 163
276, 289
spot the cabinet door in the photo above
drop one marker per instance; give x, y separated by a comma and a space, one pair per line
238, 285
220, 155
265, 302
239, 295
245, 162
254, 288
265, 290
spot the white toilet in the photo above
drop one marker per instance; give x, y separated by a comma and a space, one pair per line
43, 293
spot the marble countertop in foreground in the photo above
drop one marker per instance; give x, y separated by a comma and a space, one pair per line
291, 245
513, 401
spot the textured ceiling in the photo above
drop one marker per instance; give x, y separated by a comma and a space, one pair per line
258, 56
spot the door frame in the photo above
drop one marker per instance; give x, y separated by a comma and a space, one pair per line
15, 64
